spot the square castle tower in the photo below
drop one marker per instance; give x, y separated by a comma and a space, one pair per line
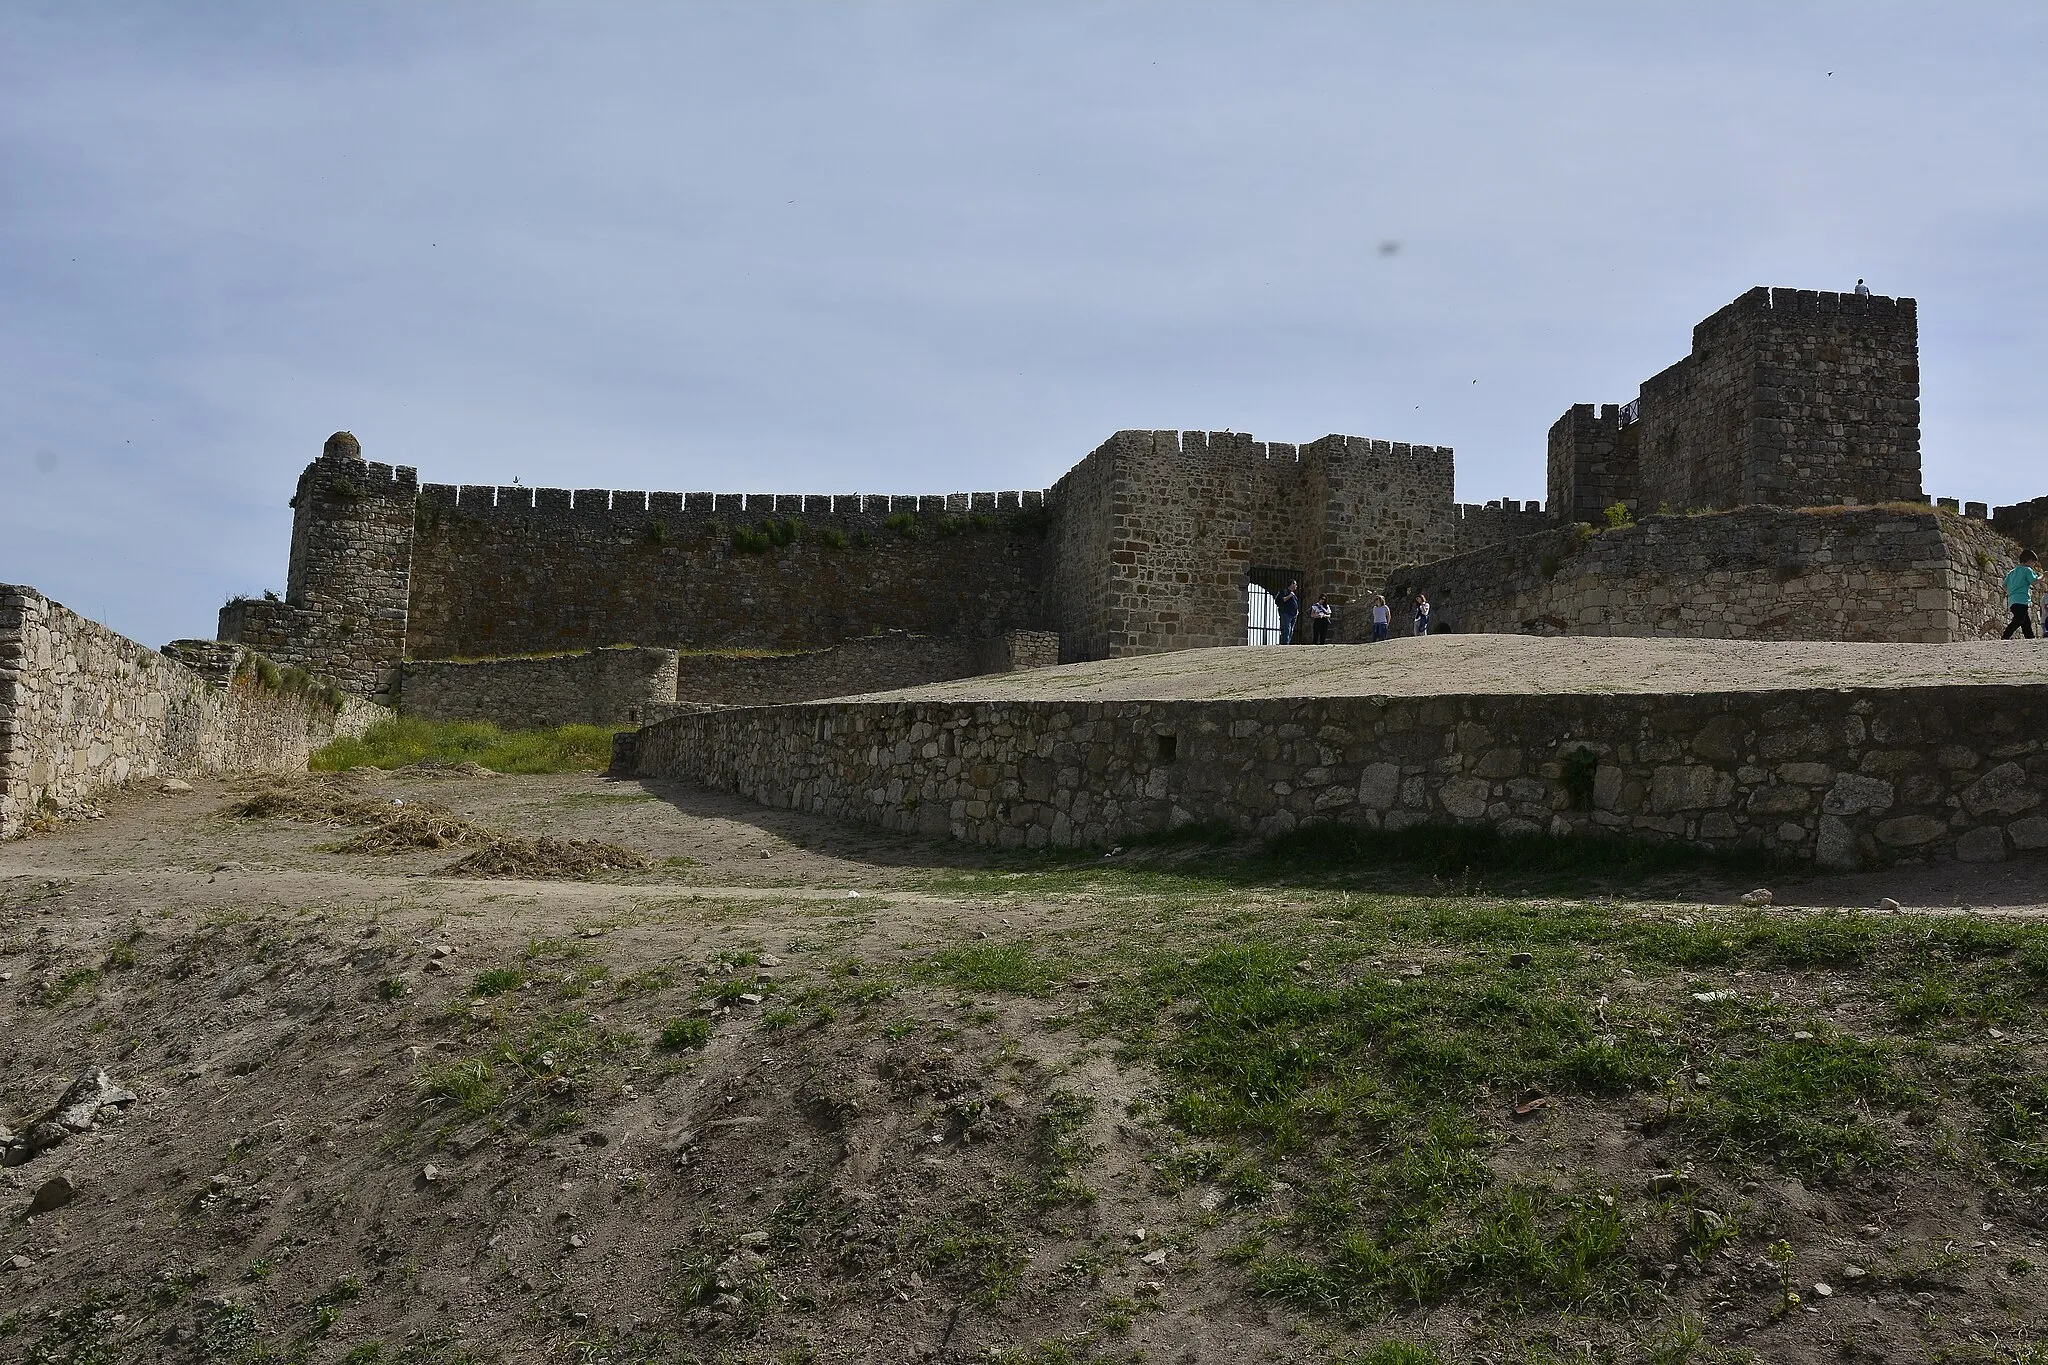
1790, 398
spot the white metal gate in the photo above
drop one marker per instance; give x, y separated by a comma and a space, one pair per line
1261, 617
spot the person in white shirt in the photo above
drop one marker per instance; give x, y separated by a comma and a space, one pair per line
1862, 290
1319, 614
1382, 618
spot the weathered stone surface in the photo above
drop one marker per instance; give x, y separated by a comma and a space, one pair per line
1908, 831
2004, 790
88, 709
1758, 573
2031, 832
52, 1194
971, 766
1985, 845
1853, 794
1834, 842
638, 686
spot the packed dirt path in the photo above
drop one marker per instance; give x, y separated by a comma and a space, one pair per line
1507, 665
794, 1091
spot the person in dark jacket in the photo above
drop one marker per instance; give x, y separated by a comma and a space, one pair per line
1289, 603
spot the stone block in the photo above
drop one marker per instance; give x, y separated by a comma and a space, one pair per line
1910, 831
2029, 833
1853, 794
2004, 790
1983, 845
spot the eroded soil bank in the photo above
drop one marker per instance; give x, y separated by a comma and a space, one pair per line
1161, 1106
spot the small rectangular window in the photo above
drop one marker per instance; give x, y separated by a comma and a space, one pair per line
1169, 747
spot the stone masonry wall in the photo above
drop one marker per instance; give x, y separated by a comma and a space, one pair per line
83, 709
1194, 516
520, 570
1078, 568
1790, 398
627, 686
635, 686
1495, 523
1840, 777
344, 611
1907, 574
2024, 524
1593, 463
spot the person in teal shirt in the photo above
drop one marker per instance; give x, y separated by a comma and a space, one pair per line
2019, 594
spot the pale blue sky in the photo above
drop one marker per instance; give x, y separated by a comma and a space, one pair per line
937, 247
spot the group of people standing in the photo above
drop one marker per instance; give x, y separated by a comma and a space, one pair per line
1321, 614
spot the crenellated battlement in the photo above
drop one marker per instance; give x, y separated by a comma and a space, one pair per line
849, 509
1787, 305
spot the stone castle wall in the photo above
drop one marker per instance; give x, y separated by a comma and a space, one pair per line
1899, 573
498, 571
1078, 568
2024, 524
83, 709
1193, 516
1790, 398
1841, 777
1593, 463
1479, 526
634, 686
344, 610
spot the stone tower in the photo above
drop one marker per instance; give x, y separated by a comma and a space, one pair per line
344, 611
1790, 398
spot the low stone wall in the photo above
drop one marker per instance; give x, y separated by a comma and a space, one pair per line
1844, 778
634, 686
596, 687
1893, 573
83, 709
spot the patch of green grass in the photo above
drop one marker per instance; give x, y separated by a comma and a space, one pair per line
1395, 1353
407, 740
2015, 1108
1522, 1244
79, 1333
1064, 1152
681, 1034
976, 1249
226, 1330
497, 981
1802, 1105
327, 1307
67, 985
469, 1086
1013, 967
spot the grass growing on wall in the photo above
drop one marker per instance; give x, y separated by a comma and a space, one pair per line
406, 740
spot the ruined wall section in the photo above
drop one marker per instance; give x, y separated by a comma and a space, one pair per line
1871, 574
1790, 398
500, 571
83, 709
344, 611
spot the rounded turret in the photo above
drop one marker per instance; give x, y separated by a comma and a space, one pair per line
342, 445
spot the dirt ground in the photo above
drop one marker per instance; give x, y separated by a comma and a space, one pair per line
1512, 665
719, 1108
